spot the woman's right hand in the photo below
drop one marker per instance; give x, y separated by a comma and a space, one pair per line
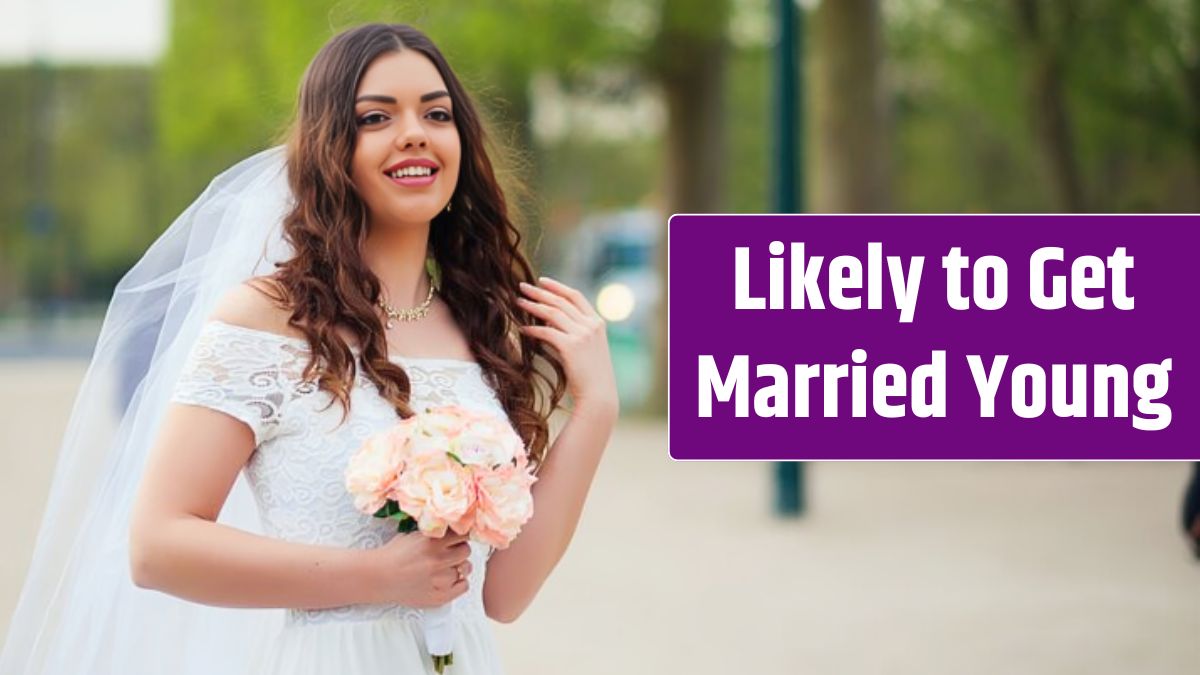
419, 571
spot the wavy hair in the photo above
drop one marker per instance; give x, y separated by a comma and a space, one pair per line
477, 248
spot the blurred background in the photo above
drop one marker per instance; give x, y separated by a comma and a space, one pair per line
615, 114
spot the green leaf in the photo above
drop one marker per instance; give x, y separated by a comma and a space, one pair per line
389, 509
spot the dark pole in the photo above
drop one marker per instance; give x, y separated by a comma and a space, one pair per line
789, 190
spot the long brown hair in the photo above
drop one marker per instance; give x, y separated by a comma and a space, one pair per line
476, 246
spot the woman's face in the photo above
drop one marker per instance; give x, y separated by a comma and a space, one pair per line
406, 156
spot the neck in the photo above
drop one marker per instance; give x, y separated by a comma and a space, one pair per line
397, 257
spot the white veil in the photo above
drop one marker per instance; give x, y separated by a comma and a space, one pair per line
79, 612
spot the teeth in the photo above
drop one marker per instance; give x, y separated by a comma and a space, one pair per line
412, 171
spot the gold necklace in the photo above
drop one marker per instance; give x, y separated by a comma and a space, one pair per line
418, 312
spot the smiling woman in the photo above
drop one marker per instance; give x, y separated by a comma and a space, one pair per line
406, 162
398, 284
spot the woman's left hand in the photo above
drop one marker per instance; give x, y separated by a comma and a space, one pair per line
578, 333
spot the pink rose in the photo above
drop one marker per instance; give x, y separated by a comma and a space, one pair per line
373, 470
488, 441
436, 491
504, 503
433, 431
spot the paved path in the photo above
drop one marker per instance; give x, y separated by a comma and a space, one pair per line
899, 568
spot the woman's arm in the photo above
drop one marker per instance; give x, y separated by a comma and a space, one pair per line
515, 574
177, 547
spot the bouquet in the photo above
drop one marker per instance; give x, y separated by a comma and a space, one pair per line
446, 468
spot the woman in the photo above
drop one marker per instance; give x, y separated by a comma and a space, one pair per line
292, 370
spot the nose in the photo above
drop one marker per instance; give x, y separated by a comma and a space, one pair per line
411, 134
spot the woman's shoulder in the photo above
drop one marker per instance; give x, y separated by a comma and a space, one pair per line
258, 304
245, 362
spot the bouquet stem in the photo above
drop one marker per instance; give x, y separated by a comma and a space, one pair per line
439, 635
440, 662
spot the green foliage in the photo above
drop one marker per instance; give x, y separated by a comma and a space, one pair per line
120, 151
76, 150
748, 111
963, 128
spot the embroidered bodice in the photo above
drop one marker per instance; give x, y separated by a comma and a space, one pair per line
303, 446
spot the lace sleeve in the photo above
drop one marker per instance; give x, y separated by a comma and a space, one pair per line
237, 371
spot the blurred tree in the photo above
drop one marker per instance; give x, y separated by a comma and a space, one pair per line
688, 58
849, 134
1136, 71
973, 133
74, 153
1045, 31
16, 192
104, 216
226, 85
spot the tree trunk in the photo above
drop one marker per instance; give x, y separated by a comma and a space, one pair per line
1047, 105
688, 60
850, 160
1191, 76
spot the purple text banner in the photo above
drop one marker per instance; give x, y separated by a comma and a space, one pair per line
803, 337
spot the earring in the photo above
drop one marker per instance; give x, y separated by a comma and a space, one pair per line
448, 205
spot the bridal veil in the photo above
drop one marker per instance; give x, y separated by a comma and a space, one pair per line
79, 612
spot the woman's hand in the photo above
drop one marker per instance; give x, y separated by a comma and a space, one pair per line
578, 333
418, 571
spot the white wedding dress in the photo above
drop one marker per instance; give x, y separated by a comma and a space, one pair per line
296, 474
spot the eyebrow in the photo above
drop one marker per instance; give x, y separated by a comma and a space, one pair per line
379, 98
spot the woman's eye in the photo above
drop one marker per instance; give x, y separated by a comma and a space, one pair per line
371, 118
440, 115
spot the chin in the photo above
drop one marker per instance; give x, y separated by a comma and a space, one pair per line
412, 214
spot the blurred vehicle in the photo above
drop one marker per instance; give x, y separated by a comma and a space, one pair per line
611, 258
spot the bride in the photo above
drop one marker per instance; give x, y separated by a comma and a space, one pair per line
303, 303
